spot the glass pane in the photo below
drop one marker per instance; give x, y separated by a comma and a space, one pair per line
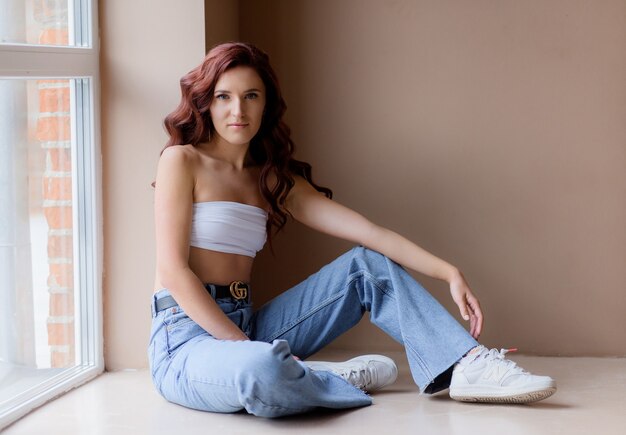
39, 323
42, 22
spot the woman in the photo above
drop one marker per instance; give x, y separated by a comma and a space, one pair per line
226, 181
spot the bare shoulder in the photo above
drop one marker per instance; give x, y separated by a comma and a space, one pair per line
179, 158
299, 193
301, 184
177, 163
181, 154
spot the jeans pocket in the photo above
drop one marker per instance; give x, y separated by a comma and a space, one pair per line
180, 329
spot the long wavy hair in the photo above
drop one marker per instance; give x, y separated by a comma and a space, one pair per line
271, 148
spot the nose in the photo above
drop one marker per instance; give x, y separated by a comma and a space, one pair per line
237, 108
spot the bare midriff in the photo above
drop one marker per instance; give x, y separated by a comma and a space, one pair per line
217, 267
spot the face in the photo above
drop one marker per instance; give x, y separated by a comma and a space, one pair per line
237, 106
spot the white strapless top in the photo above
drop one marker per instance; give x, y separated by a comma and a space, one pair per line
227, 226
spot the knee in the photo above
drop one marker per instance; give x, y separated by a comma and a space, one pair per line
365, 252
269, 364
265, 379
368, 258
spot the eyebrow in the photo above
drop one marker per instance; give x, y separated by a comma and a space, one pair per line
228, 92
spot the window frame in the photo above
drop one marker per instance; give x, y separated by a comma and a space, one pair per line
78, 63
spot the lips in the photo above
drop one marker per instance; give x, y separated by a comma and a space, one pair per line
237, 125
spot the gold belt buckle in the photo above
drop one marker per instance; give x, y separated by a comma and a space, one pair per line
238, 290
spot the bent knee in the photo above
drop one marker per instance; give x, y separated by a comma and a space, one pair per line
271, 366
365, 253
270, 363
269, 370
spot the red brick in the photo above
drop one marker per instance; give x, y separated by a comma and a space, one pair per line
62, 359
53, 128
60, 247
54, 100
54, 37
61, 275
58, 217
58, 188
61, 304
60, 333
60, 159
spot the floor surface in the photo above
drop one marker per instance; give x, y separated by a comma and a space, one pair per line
591, 399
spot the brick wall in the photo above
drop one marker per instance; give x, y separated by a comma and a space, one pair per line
53, 132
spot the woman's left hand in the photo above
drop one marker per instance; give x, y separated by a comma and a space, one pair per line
468, 304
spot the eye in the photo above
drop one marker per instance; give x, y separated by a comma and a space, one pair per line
221, 97
252, 96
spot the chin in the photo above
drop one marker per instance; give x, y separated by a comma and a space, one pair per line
236, 138
238, 141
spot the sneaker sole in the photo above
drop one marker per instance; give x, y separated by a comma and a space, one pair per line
526, 397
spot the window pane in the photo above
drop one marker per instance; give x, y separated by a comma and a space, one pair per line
42, 22
39, 323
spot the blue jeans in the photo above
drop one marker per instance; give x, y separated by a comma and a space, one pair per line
193, 369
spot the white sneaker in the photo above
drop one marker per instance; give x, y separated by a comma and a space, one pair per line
367, 372
484, 375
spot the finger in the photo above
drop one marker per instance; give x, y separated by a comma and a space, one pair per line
473, 318
478, 328
473, 325
463, 309
475, 305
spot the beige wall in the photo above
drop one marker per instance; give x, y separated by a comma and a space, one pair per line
147, 45
221, 20
492, 133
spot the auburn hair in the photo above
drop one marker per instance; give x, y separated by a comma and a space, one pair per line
271, 148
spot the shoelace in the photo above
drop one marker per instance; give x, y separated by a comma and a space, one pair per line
498, 357
360, 378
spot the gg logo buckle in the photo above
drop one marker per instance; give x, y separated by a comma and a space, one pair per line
238, 290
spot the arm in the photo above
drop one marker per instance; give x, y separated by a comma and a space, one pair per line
313, 209
173, 208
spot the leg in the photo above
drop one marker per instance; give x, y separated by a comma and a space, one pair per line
331, 301
193, 369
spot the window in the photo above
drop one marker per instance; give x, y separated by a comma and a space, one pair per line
50, 242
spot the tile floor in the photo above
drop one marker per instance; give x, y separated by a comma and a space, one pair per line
591, 400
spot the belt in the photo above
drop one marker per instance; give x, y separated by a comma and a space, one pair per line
236, 290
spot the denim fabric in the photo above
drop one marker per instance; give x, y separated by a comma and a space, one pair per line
193, 369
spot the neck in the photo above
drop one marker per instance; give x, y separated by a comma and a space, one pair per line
235, 155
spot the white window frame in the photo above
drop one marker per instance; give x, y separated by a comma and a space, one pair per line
26, 61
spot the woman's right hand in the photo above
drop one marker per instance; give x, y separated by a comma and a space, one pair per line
173, 201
